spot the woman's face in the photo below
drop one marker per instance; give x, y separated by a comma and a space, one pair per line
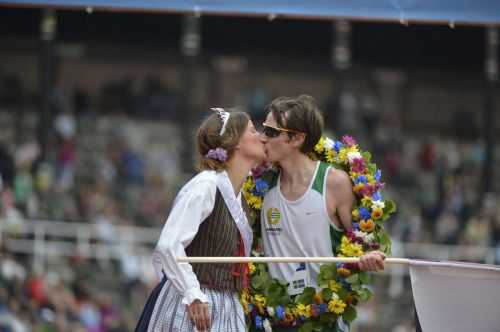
250, 144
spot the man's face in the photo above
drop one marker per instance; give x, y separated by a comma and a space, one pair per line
276, 142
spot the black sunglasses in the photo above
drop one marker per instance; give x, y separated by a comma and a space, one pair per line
272, 132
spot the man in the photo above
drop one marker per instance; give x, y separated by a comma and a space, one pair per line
310, 205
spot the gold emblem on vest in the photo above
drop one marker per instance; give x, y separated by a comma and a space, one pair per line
273, 216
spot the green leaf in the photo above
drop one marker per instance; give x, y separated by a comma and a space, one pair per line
326, 294
365, 277
352, 279
364, 294
367, 156
372, 168
390, 207
385, 241
326, 273
349, 314
307, 327
328, 317
307, 296
342, 293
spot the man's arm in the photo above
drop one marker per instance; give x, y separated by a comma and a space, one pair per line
340, 197
341, 201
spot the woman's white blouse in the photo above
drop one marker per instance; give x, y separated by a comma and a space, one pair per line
193, 204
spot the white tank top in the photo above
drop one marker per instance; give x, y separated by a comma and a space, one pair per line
298, 228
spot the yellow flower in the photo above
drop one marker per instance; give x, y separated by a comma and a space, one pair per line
357, 188
248, 185
337, 306
308, 311
251, 268
334, 286
349, 249
355, 214
377, 213
254, 201
301, 310
244, 299
330, 156
260, 299
343, 156
320, 146
366, 201
343, 272
367, 225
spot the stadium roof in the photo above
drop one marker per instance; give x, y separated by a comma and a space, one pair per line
477, 12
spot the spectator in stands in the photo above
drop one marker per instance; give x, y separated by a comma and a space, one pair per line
207, 219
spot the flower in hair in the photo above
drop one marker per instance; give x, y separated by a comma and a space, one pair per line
217, 154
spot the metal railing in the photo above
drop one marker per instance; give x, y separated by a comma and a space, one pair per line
45, 238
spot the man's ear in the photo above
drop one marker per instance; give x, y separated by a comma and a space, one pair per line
298, 139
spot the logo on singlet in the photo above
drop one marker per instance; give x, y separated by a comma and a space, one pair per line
273, 216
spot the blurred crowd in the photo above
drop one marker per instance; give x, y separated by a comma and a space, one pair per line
116, 161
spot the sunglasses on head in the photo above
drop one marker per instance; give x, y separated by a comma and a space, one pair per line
272, 132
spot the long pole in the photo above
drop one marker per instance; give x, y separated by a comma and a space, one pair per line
404, 261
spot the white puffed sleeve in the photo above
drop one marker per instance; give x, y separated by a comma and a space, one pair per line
192, 206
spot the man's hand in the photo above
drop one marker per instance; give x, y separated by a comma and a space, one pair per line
372, 261
199, 315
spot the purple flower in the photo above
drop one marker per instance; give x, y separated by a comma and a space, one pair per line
217, 154
378, 175
364, 213
348, 140
337, 146
377, 196
361, 179
257, 171
259, 322
261, 186
323, 307
280, 312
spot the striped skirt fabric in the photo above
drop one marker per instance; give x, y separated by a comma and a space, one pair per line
164, 311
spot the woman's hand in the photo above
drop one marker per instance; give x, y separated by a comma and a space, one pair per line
199, 315
372, 261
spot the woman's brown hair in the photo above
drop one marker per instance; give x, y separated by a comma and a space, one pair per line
208, 137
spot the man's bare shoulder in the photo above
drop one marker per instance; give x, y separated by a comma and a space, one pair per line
338, 178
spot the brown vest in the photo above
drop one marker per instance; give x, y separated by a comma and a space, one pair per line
218, 236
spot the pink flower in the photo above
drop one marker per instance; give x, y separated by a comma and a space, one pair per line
358, 165
348, 140
257, 171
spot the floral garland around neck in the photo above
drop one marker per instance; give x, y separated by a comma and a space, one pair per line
342, 286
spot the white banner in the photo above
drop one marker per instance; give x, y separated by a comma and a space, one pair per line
456, 297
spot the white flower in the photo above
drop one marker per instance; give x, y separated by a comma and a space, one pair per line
378, 204
353, 155
270, 311
370, 238
267, 326
329, 143
360, 234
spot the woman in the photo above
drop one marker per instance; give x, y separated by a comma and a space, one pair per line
207, 219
